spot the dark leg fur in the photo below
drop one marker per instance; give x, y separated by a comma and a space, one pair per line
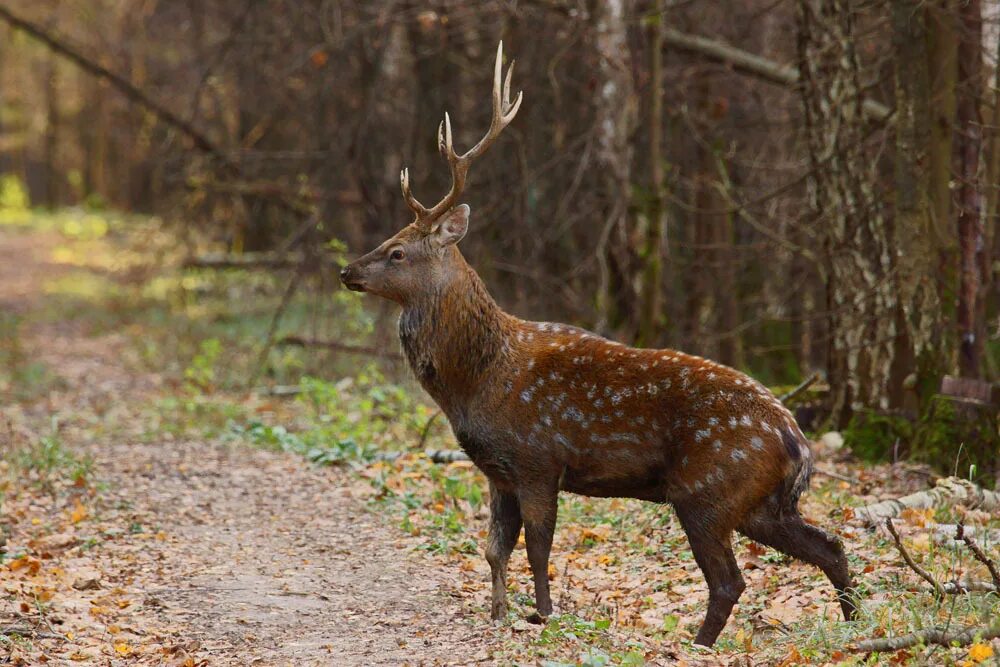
538, 511
713, 551
505, 524
789, 534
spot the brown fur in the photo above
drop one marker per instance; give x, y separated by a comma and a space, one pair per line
545, 407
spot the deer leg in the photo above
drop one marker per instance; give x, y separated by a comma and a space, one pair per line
713, 552
505, 524
791, 535
538, 511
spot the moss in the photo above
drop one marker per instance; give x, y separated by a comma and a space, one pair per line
953, 437
874, 436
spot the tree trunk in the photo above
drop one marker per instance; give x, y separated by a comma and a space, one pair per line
650, 323
615, 116
51, 197
861, 299
922, 341
971, 232
942, 54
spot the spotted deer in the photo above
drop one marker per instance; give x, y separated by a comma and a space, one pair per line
542, 408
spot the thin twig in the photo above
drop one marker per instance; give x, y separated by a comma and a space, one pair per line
427, 429
834, 475
301, 341
979, 554
286, 298
909, 560
808, 382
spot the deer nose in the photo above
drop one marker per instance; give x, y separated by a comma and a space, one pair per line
345, 273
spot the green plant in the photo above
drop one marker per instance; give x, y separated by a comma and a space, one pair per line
200, 374
874, 436
48, 460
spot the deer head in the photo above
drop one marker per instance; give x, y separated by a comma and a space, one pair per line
423, 255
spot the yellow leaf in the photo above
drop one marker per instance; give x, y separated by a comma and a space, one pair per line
79, 513
980, 652
921, 543
122, 648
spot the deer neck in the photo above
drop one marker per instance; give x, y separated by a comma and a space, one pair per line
454, 337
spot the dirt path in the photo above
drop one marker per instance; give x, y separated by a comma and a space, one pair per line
239, 556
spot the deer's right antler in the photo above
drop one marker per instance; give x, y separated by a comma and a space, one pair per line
503, 112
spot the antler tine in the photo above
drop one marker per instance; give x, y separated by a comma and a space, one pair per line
419, 210
503, 113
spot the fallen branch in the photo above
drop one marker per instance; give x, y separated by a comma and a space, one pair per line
947, 490
299, 341
28, 631
745, 62
979, 555
955, 587
281, 390
835, 475
940, 636
435, 455
924, 574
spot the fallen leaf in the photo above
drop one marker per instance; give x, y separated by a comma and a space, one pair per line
79, 513
980, 652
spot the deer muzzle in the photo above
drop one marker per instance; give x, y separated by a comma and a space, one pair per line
348, 276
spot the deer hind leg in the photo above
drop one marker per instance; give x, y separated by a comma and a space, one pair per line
713, 550
789, 534
538, 511
505, 524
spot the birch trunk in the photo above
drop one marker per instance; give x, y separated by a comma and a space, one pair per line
857, 251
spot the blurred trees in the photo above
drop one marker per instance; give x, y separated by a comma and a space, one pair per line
783, 186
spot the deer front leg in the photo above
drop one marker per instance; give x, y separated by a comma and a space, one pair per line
538, 511
505, 524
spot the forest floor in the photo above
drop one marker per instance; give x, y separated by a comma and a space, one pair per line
133, 539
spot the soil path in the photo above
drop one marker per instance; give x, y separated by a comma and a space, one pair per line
249, 557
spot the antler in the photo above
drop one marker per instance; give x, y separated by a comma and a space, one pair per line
503, 113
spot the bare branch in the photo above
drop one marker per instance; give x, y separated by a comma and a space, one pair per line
130, 91
977, 551
745, 62
808, 382
924, 574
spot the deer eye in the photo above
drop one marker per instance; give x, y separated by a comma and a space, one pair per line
397, 255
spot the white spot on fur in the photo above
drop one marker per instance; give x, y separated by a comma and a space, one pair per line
756, 443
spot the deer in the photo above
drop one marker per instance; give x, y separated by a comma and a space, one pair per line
542, 408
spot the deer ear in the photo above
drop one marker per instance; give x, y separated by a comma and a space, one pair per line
452, 226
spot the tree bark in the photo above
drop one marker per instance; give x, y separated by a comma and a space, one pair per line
921, 345
942, 54
650, 323
861, 301
52, 174
971, 232
615, 119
